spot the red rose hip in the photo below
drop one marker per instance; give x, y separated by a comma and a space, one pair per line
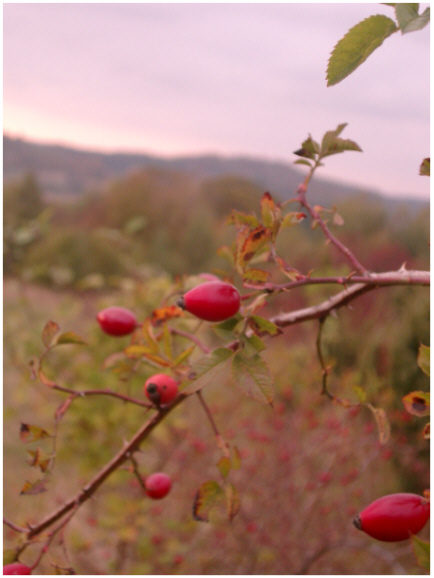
211, 301
158, 485
394, 518
117, 321
16, 569
160, 388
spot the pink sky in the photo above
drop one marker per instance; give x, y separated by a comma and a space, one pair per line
221, 78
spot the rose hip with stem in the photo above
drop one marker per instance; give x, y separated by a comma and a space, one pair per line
394, 517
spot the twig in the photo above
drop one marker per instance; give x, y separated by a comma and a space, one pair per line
191, 337
324, 368
208, 413
316, 217
123, 455
14, 527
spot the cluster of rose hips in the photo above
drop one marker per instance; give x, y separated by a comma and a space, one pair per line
390, 519
211, 301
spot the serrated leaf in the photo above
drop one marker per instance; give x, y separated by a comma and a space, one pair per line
355, 47
332, 144
48, 333
417, 403
69, 337
252, 376
271, 213
408, 18
309, 149
253, 345
255, 276
207, 497
32, 433
424, 169
421, 550
209, 369
224, 465
423, 359
225, 330
382, 422
262, 326
232, 501
34, 488
251, 244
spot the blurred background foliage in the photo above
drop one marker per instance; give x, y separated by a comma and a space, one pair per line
307, 465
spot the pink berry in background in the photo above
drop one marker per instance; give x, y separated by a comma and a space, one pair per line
117, 321
158, 485
211, 301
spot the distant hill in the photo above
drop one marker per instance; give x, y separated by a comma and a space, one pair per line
62, 170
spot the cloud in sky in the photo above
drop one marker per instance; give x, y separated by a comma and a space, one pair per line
223, 78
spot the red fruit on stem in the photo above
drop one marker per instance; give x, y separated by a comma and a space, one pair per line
211, 301
158, 485
16, 569
160, 388
394, 518
117, 321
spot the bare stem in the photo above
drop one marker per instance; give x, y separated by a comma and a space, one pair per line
316, 217
324, 368
208, 413
14, 527
191, 337
123, 455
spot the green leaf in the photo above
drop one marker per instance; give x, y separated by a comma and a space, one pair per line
408, 18
50, 330
424, 169
417, 403
331, 143
262, 326
209, 369
184, 356
69, 337
309, 148
32, 433
224, 465
303, 162
355, 47
253, 345
225, 329
208, 496
9, 556
421, 550
423, 359
252, 376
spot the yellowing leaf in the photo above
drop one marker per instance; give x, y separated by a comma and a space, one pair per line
207, 497
32, 433
255, 276
262, 326
159, 316
417, 403
382, 422
254, 241
50, 330
421, 550
423, 359
224, 465
232, 501
34, 488
70, 338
